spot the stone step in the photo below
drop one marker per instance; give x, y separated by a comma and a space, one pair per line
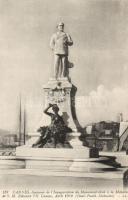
11, 163
106, 175
121, 157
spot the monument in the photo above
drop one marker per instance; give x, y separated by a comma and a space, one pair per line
58, 147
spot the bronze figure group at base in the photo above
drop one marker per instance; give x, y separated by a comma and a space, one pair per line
55, 135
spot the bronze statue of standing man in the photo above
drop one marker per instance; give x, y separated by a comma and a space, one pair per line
59, 44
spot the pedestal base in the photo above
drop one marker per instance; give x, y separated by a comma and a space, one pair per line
65, 160
45, 153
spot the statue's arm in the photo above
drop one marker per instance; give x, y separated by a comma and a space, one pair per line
69, 41
46, 110
52, 42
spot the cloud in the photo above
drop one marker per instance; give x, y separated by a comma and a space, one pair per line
103, 104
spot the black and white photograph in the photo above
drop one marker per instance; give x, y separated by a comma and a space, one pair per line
63, 99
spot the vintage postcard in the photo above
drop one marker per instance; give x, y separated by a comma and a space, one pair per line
63, 99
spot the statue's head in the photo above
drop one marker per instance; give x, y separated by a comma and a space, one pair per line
60, 26
55, 108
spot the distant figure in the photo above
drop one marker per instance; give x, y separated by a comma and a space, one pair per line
59, 44
55, 133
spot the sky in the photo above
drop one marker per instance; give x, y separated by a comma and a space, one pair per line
99, 29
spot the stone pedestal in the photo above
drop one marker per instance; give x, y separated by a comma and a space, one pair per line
59, 92
58, 159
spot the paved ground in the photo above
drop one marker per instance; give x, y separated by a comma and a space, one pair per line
10, 181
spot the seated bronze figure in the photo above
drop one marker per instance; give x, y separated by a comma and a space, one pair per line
55, 135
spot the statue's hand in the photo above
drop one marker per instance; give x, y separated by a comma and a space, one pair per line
69, 40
